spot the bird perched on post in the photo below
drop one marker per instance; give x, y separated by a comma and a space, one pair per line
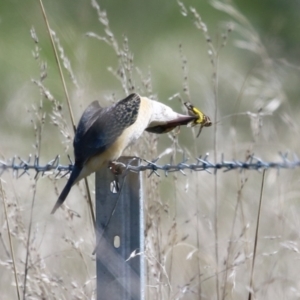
104, 133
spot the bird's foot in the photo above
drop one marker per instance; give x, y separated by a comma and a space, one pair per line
115, 168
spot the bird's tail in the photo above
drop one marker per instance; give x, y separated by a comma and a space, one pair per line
62, 197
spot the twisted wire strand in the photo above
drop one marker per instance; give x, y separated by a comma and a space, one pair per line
21, 166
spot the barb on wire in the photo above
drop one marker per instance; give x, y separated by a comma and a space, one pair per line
20, 166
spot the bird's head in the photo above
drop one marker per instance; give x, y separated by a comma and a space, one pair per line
163, 118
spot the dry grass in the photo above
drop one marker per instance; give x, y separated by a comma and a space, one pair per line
202, 230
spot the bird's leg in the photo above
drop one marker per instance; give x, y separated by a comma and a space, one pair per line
116, 170
115, 167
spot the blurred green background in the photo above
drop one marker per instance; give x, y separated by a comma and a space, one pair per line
155, 30
258, 72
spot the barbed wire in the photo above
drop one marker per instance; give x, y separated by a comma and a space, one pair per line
20, 166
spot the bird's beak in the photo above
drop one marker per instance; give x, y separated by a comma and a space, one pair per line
171, 124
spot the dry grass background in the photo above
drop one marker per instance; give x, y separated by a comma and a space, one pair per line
200, 228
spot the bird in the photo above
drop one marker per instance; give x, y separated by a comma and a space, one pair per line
103, 133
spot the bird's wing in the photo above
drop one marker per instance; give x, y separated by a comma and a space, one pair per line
88, 117
99, 127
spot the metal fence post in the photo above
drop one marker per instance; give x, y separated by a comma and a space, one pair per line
119, 276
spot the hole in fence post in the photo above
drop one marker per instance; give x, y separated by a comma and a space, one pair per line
117, 241
113, 187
